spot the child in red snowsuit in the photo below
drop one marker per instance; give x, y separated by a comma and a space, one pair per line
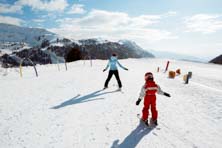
148, 92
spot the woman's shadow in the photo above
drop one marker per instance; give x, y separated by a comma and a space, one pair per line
133, 138
77, 99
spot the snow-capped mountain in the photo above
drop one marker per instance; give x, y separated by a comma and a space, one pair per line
134, 46
12, 35
31, 36
42, 47
102, 49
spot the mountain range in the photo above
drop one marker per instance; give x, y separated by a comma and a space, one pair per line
176, 56
31, 36
43, 47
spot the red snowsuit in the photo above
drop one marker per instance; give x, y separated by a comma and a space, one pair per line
149, 91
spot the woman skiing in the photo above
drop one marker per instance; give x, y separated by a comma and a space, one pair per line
148, 92
112, 64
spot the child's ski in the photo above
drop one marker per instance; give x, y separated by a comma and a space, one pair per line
150, 125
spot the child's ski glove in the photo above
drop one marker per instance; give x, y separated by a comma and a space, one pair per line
104, 70
138, 101
126, 68
166, 94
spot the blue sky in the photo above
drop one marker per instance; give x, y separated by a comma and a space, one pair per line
191, 27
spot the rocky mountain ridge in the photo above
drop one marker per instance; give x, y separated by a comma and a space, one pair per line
44, 47
217, 60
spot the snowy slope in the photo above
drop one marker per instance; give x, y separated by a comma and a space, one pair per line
68, 109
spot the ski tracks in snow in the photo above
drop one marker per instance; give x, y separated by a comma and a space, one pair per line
190, 118
206, 87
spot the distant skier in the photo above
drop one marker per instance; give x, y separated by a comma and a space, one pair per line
148, 92
112, 64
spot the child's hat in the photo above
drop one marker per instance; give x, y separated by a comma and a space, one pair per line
148, 76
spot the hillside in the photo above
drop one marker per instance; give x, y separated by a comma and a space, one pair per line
69, 109
217, 60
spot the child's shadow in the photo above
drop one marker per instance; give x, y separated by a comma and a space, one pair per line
77, 99
133, 138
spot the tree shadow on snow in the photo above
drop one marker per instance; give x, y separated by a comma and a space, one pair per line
77, 99
133, 138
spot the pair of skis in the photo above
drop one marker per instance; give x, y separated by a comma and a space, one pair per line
150, 125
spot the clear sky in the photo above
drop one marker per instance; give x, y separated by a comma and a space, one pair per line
191, 27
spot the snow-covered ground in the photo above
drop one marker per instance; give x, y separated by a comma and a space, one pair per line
68, 109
